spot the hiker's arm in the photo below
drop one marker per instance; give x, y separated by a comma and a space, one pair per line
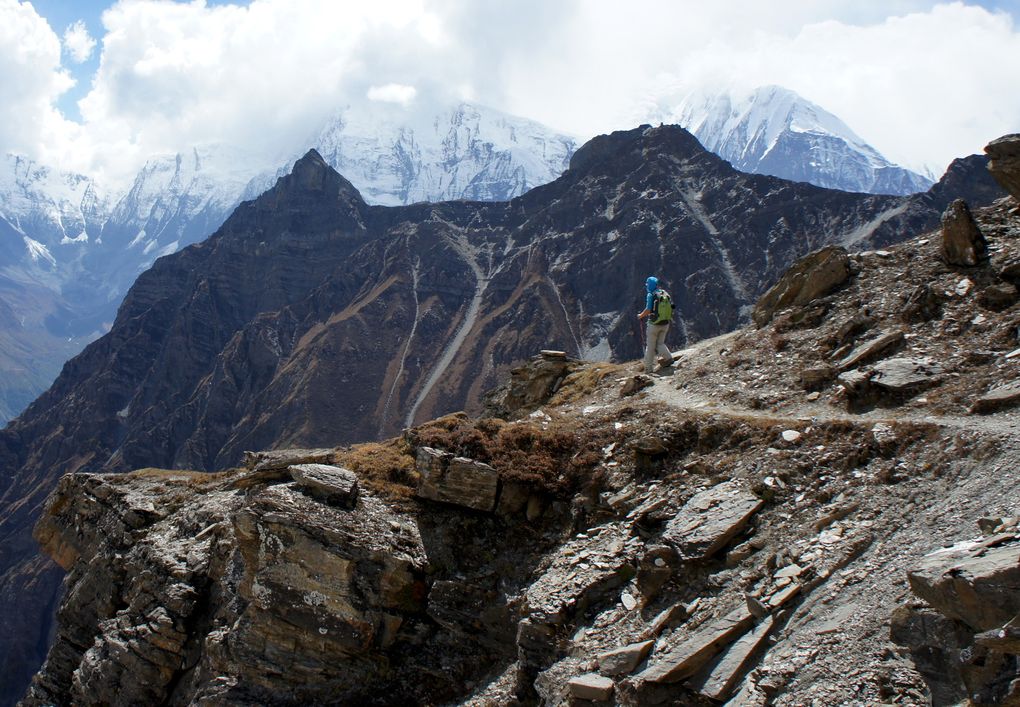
647, 311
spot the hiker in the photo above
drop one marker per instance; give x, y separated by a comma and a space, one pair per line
658, 310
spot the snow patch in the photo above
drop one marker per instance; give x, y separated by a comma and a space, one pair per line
37, 251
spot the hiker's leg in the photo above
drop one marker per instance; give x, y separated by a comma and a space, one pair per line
665, 356
650, 344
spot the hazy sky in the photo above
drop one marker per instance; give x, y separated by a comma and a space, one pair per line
100, 86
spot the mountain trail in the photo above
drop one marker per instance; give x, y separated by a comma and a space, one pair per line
682, 397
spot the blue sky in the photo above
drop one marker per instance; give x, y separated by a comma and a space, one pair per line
920, 80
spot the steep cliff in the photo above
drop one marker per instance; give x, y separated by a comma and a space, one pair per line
744, 525
311, 318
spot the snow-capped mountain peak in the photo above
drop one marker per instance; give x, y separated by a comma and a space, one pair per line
395, 154
773, 130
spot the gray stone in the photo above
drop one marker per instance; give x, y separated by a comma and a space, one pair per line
283, 458
623, 660
698, 648
591, 686
871, 349
974, 583
668, 617
333, 484
811, 277
461, 481
719, 681
1004, 162
1001, 397
903, 375
710, 519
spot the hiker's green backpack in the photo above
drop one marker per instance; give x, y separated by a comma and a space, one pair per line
662, 307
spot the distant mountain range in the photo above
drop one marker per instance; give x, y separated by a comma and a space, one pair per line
70, 248
772, 130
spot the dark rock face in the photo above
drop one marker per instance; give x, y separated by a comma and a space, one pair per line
962, 241
1004, 162
311, 318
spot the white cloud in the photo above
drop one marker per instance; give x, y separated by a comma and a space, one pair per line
33, 80
392, 93
923, 82
78, 42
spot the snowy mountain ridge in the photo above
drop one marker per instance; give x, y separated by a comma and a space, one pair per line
772, 130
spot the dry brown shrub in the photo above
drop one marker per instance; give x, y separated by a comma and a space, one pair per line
583, 382
386, 468
557, 459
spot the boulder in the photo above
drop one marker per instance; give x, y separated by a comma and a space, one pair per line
710, 519
283, 458
972, 582
1004, 396
623, 660
334, 485
904, 375
962, 241
811, 277
458, 480
591, 686
1004, 162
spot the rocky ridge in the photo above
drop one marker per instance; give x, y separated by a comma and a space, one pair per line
244, 340
752, 524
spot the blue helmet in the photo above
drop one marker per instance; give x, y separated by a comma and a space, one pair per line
651, 284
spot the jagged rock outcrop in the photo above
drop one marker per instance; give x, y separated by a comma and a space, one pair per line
962, 241
1004, 162
811, 277
681, 545
311, 318
963, 636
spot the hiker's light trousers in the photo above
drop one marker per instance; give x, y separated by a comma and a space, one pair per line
656, 344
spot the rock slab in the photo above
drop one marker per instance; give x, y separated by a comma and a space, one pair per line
332, 484
710, 519
1001, 397
458, 480
591, 686
691, 654
1004, 162
623, 660
811, 277
971, 583
720, 680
